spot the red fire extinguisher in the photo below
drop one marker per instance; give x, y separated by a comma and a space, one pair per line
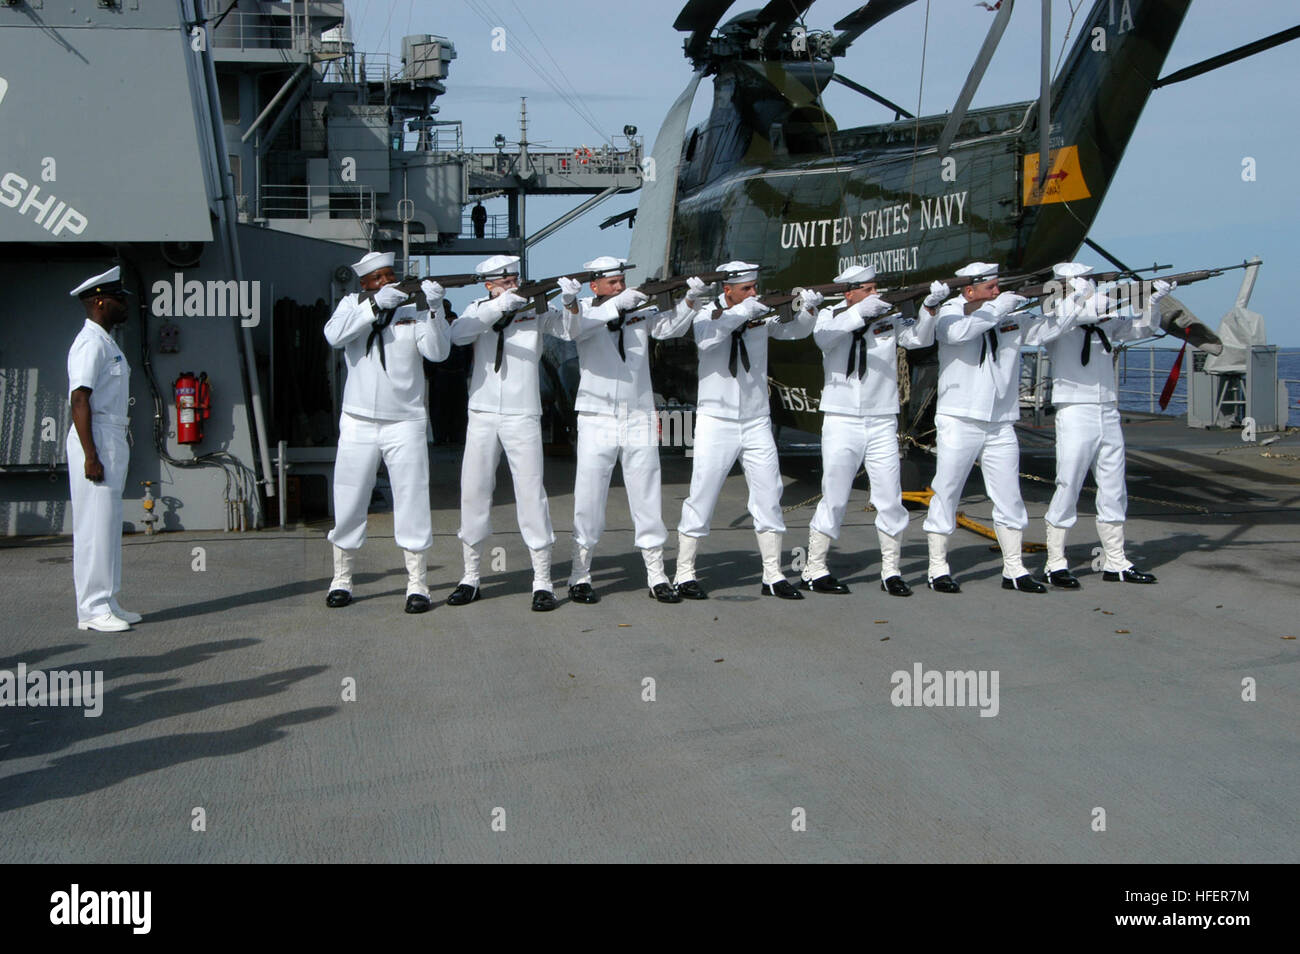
193, 406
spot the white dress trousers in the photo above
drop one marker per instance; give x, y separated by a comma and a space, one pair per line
1088, 435
718, 443
960, 441
363, 441
847, 441
97, 518
520, 436
630, 435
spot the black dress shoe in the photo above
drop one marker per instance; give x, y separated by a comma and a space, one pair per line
781, 588
896, 586
463, 594
336, 598
664, 593
1131, 575
944, 584
543, 601
582, 593
824, 584
1063, 579
691, 590
1025, 584
418, 603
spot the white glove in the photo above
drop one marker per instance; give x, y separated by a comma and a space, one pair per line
433, 292
569, 289
749, 308
1083, 287
390, 296
696, 293
810, 300
1006, 303
494, 309
630, 299
1162, 288
873, 306
939, 293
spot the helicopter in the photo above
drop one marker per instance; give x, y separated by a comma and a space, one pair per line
769, 176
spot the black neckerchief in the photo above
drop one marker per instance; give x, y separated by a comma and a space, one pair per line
500, 326
738, 348
989, 347
1088, 332
383, 318
858, 354
616, 324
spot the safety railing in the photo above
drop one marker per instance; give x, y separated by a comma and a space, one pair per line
494, 227
316, 201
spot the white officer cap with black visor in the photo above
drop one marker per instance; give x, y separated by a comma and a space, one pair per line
107, 283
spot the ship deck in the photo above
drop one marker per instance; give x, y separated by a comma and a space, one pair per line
1119, 697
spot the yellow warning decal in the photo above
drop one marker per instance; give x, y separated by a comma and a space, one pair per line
1064, 183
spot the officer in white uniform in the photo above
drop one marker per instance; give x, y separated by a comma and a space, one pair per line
859, 405
384, 415
734, 420
978, 406
505, 413
617, 419
99, 390
1088, 432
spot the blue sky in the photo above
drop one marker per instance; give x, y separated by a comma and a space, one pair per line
1179, 196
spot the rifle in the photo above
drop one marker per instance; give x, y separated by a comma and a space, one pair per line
1047, 289
1174, 320
536, 292
894, 296
661, 289
416, 297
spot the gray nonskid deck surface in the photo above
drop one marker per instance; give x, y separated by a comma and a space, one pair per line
229, 697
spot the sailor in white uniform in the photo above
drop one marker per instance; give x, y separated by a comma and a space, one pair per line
859, 405
734, 420
505, 413
617, 419
99, 390
1088, 433
978, 405
384, 416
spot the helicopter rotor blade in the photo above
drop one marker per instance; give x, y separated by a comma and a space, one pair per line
654, 213
863, 19
976, 74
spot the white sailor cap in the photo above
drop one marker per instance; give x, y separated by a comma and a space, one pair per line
1071, 270
741, 272
856, 275
109, 283
978, 270
373, 262
606, 266
498, 266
